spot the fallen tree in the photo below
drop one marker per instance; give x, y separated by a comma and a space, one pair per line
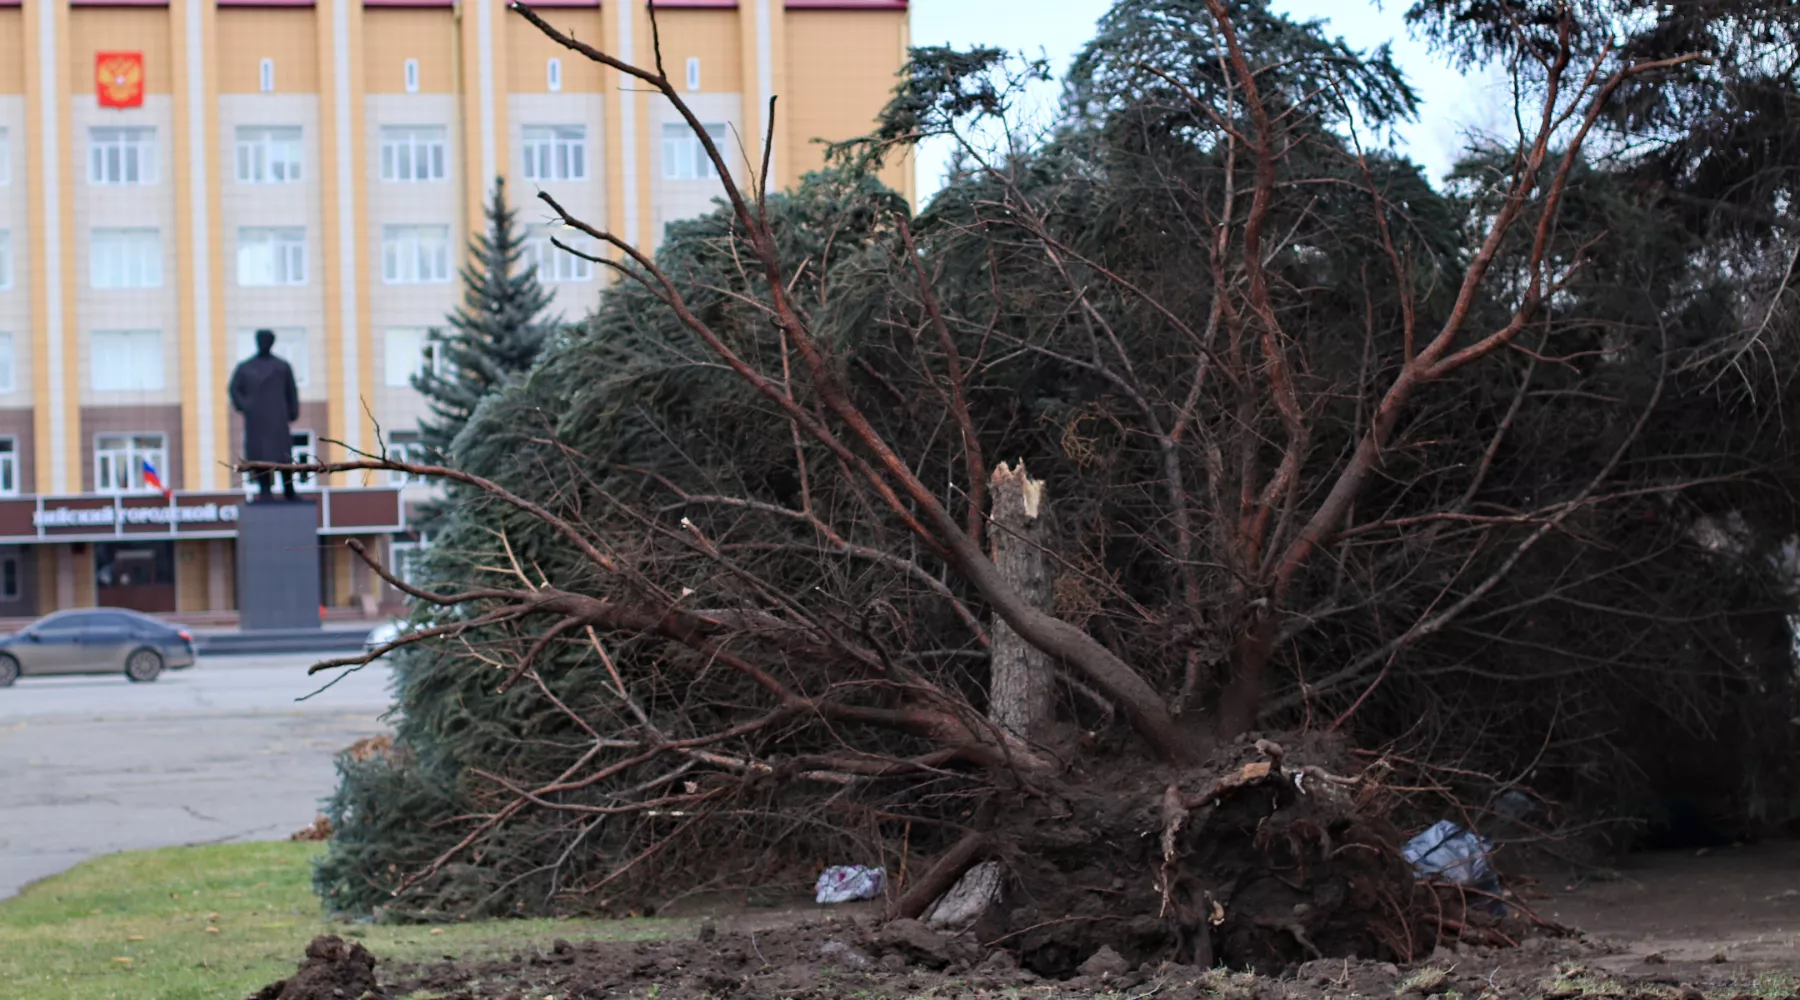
740, 584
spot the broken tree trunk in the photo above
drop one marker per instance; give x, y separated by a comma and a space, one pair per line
1020, 696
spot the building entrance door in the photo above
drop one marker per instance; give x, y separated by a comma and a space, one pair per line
135, 575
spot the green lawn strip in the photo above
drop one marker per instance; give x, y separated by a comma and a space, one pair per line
134, 926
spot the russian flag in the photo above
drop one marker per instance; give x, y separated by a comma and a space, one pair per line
154, 480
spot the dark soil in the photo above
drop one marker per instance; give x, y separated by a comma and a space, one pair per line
332, 970
1710, 926
1742, 903
831, 960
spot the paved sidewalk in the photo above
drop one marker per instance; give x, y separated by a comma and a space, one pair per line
93, 765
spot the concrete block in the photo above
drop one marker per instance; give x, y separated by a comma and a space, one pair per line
278, 565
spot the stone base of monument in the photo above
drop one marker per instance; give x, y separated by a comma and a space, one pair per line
278, 565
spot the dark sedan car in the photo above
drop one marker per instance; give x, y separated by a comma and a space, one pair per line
95, 641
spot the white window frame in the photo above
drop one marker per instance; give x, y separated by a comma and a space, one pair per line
138, 354
555, 152
404, 446
411, 73
265, 76
556, 266
269, 154
125, 453
553, 75
277, 253
122, 155
9, 466
415, 255
302, 450
125, 258
683, 157
414, 154
303, 446
9, 363
408, 351
401, 556
291, 346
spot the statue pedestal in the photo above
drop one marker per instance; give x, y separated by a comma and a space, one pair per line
278, 565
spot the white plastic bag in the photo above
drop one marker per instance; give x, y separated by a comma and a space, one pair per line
1446, 850
846, 883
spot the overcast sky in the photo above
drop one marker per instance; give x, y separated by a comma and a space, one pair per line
1057, 28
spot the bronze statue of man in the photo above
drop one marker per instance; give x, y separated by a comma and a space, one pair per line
262, 389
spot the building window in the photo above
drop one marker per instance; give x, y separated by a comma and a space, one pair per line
556, 265
122, 155
412, 76
405, 558
271, 256
684, 158
127, 360
9, 578
404, 446
5, 258
409, 352
290, 346
9, 365
304, 447
415, 255
125, 258
9, 466
412, 153
265, 76
128, 564
553, 75
268, 154
302, 450
555, 152
693, 72
119, 461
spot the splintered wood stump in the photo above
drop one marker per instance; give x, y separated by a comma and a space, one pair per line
1020, 697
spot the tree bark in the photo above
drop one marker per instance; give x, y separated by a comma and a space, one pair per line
942, 874
1020, 695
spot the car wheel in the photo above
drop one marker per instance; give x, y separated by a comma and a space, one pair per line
9, 670
143, 665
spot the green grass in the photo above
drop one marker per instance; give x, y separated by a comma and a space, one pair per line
198, 923
1776, 984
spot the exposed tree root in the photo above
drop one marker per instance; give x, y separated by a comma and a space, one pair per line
1256, 861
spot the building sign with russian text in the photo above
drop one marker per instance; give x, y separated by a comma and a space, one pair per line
109, 517
209, 514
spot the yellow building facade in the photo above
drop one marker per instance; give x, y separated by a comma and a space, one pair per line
175, 175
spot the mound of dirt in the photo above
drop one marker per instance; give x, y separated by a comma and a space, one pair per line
318, 829
333, 970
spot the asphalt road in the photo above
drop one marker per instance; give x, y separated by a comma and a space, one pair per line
221, 752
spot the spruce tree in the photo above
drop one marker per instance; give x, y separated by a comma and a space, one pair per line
494, 335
